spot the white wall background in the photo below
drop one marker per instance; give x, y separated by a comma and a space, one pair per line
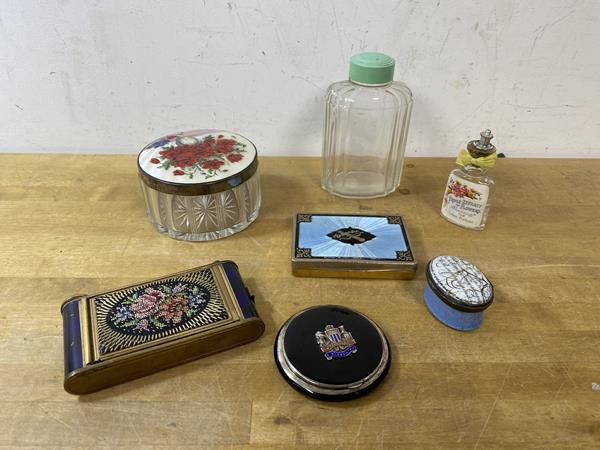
111, 75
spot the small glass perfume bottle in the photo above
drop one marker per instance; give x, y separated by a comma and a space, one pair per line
467, 196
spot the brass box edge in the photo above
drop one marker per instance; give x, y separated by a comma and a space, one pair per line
103, 374
373, 274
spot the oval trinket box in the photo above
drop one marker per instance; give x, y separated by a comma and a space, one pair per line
457, 292
200, 185
332, 353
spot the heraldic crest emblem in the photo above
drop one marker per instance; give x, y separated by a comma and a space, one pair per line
336, 342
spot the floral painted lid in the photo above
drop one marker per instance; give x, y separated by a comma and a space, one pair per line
459, 283
218, 158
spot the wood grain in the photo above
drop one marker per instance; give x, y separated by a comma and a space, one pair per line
76, 224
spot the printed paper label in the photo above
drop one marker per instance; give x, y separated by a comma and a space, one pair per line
464, 202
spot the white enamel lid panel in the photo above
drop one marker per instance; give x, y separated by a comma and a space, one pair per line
460, 281
196, 157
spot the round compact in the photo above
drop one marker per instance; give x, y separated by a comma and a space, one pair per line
200, 185
457, 292
332, 353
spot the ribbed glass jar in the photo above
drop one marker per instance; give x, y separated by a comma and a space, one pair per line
365, 131
200, 185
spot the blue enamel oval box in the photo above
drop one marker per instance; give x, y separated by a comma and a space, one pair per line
457, 292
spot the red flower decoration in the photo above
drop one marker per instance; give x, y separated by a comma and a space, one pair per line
235, 157
204, 150
172, 309
147, 304
182, 156
200, 154
459, 190
212, 164
225, 146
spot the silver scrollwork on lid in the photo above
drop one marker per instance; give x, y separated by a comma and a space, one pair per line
303, 253
460, 280
405, 256
397, 220
336, 342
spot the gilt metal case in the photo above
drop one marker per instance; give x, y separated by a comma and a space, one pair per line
130, 332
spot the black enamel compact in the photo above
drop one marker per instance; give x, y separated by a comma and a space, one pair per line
332, 353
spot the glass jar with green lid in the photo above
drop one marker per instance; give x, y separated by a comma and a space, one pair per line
366, 126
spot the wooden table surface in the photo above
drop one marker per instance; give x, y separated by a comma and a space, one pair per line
527, 379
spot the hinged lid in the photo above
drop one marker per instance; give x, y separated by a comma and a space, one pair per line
332, 352
459, 283
348, 245
153, 313
197, 162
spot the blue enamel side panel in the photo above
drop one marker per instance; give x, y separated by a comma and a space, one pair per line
72, 336
242, 295
388, 238
462, 321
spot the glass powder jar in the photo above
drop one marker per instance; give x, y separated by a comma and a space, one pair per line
366, 126
200, 185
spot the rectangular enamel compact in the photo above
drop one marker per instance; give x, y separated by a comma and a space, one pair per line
130, 332
351, 246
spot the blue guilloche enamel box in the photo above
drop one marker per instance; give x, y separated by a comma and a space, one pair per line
351, 246
457, 292
133, 331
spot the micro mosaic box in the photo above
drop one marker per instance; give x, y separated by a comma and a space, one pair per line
127, 333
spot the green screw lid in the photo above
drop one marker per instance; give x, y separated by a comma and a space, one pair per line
372, 68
